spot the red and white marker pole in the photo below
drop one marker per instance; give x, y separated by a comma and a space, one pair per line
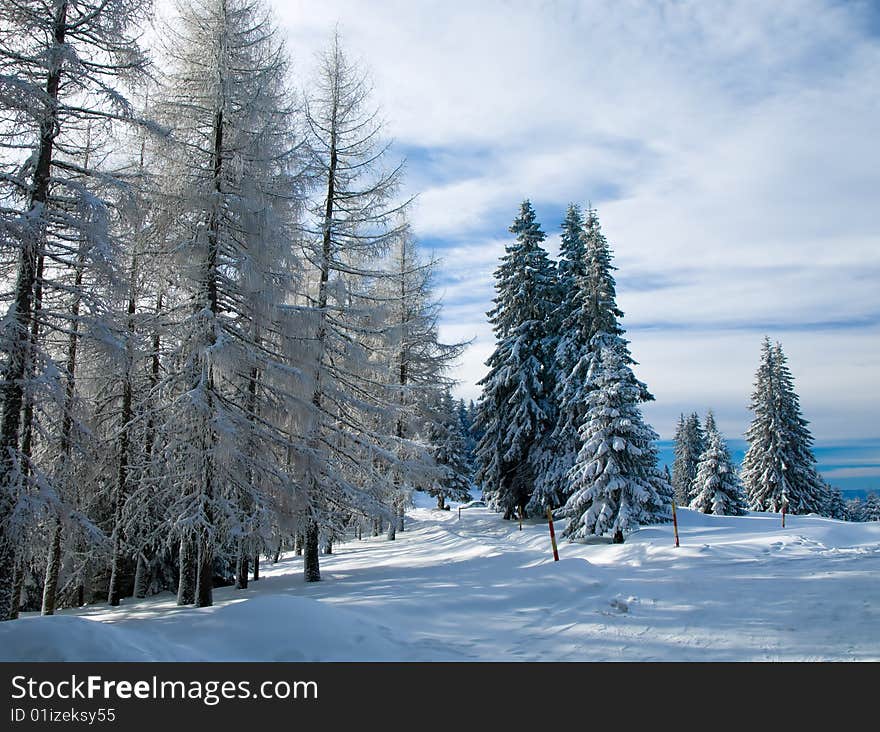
552, 535
675, 523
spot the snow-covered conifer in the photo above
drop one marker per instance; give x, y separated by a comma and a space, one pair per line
449, 447
689, 444
515, 409
779, 465
870, 509
569, 344
64, 68
230, 172
615, 483
836, 507
716, 488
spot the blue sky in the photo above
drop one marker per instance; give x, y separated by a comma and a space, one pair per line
730, 148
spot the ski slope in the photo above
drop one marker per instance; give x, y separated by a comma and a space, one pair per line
478, 588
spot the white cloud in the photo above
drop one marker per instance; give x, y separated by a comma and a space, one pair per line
730, 147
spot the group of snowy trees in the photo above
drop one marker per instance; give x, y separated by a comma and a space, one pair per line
779, 468
868, 509
703, 474
559, 416
219, 338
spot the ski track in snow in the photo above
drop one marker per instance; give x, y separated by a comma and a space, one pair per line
738, 589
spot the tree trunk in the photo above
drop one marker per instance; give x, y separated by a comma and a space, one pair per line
141, 577
241, 579
12, 387
392, 528
328, 547
277, 556
311, 563
17, 585
186, 585
618, 537
127, 388
298, 545
257, 567
113, 593
205, 577
377, 526
53, 566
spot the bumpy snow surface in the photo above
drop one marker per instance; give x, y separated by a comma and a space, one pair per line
479, 589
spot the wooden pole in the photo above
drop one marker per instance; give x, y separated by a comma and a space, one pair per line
459, 513
784, 504
675, 523
552, 535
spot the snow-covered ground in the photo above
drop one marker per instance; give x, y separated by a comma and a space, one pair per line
479, 589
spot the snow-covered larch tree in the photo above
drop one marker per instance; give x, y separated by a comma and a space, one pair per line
355, 218
419, 362
231, 174
63, 66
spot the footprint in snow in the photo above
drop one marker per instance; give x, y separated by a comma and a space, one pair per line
619, 605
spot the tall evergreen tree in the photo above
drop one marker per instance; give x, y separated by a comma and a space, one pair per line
570, 347
716, 488
616, 482
515, 408
779, 466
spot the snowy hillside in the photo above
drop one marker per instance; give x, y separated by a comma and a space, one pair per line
479, 589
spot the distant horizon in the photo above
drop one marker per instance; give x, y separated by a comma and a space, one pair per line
839, 464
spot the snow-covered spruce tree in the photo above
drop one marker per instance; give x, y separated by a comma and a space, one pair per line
62, 66
854, 509
716, 488
836, 508
569, 349
870, 509
690, 442
449, 447
230, 175
779, 466
616, 482
355, 218
514, 410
